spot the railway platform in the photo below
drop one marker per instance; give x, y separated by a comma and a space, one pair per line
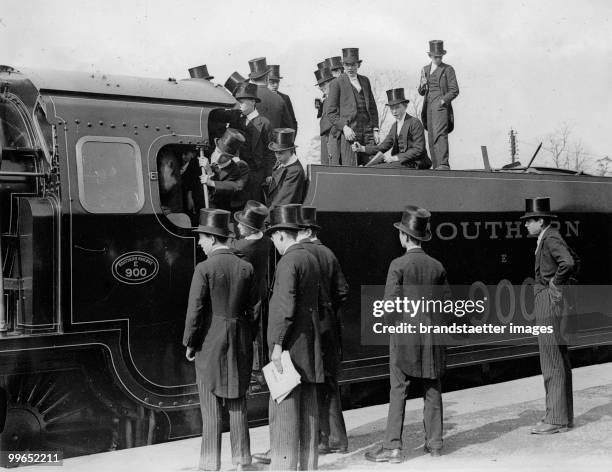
486, 428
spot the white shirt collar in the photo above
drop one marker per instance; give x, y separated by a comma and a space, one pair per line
292, 160
255, 236
251, 116
433, 68
356, 83
540, 236
400, 123
218, 248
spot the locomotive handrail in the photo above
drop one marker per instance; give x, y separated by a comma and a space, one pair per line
22, 174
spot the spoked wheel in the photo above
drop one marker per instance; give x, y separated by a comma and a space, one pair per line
55, 412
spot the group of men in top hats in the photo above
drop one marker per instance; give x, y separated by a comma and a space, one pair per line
227, 298
348, 114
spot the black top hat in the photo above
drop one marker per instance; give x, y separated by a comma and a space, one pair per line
396, 96
436, 48
215, 222
538, 207
323, 75
259, 68
200, 72
415, 222
285, 217
230, 142
309, 217
282, 139
246, 90
322, 64
274, 72
254, 215
233, 80
336, 62
351, 55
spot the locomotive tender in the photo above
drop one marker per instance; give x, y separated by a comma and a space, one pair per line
97, 253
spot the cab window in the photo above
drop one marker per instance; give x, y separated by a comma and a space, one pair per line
110, 175
13, 129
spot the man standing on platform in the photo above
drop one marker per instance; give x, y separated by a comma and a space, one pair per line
333, 292
414, 357
439, 86
219, 338
288, 181
352, 109
330, 136
294, 326
555, 267
335, 65
406, 139
274, 79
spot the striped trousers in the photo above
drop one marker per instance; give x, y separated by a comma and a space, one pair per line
294, 430
331, 420
554, 362
212, 407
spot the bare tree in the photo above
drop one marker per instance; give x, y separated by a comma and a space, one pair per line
558, 144
577, 159
604, 165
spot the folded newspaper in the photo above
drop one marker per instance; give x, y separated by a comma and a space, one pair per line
281, 385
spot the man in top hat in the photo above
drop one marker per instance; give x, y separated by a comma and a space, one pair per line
274, 79
200, 72
330, 136
256, 248
352, 109
219, 336
406, 139
256, 129
333, 292
555, 269
294, 326
226, 177
233, 80
439, 86
335, 65
288, 181
414, 357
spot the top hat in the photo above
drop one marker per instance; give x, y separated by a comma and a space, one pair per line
230, 142
285, 217
215, 222
246, 90
351, 55
282, 139
309, 217
415, 222
323, 75
200, 72
538, 207
436, 48
254, 215
274, 72
396, 96
233, 80
336, 62
259, 68
322, 64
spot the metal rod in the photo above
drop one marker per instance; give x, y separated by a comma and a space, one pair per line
485, 158
534, 156
204, 186
22, 174
3, 324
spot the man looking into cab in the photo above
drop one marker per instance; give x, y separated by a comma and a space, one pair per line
288, 181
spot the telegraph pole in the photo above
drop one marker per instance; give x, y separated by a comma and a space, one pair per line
513, 147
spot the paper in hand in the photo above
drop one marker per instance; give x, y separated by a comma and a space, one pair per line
281, 385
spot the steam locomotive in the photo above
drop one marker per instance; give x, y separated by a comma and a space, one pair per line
97, 253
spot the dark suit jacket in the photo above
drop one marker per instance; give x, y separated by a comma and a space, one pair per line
325, 126
288, 185
222, 300
293, 321
450, 90
230, 183
258, 253
287, 100
333, 292
415, 275
273, 107
342, 107
412, 152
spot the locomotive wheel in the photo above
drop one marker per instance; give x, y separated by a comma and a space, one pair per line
55, 412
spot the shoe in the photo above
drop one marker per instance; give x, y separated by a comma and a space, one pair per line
339, 449
545, 428
324, 449
433, 452
393, 456
443, 167
246, 467
263, 458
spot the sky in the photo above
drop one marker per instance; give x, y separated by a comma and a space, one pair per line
531, 66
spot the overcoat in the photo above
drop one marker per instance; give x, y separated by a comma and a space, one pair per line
273, 107
416, 275
257, 252
293, 320
450, 90
219, 322
342, 106
333, 292
288, 185
230, 184
287, 100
